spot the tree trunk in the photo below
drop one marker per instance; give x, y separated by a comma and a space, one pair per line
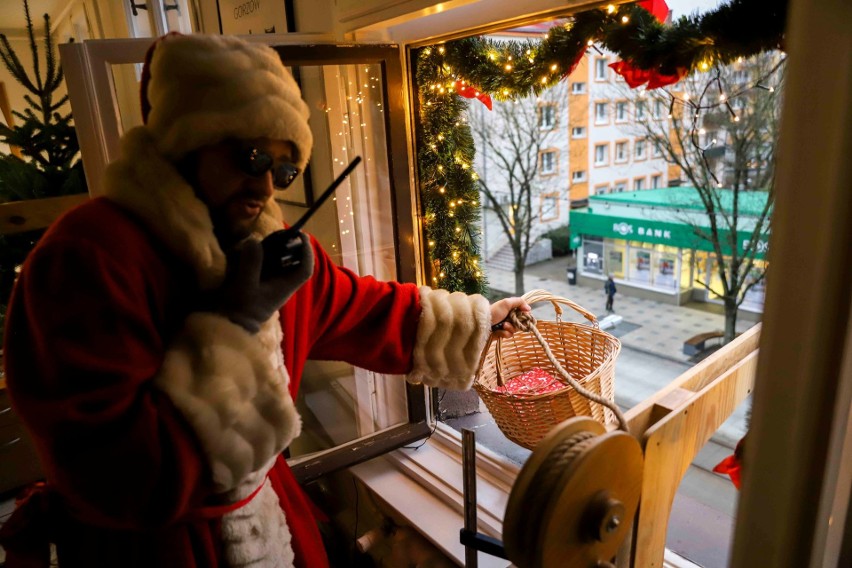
730, 319
519, 281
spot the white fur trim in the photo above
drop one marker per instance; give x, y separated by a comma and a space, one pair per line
233, 392
257, 534
451, 335
206, 88
145, 183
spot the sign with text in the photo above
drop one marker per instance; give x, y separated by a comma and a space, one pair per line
244, 17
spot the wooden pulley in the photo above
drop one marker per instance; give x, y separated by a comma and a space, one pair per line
575, 498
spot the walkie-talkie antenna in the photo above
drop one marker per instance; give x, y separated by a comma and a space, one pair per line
297, 226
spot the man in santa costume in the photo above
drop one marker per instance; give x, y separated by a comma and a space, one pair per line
156, 369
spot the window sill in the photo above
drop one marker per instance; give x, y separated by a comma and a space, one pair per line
425, 487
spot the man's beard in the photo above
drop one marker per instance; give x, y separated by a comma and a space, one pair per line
228, 232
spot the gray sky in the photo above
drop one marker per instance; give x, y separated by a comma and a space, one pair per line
686, 7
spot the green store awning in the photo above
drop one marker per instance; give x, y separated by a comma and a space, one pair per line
679, 235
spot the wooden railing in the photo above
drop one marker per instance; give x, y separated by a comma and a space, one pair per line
672, 427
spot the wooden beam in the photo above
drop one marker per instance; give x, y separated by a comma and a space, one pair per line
672, 444
28, 215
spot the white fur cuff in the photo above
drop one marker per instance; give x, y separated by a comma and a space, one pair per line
228, 386
451, 334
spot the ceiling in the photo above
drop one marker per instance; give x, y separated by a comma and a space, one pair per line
12, 13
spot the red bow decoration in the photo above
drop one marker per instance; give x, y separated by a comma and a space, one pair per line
471, 92
635, 76
658, 8
733, 467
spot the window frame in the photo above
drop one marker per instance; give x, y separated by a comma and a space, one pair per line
549, 152
88, 69
581, 136
626, 157
598, 78
582, 178
623, 103
636, 156
605, 105
581, 90
541, 114
605, 162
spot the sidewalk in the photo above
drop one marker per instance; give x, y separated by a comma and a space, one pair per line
648, 326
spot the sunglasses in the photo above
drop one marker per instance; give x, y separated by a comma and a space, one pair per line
255, 163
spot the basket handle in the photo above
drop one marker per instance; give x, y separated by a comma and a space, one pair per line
535, 296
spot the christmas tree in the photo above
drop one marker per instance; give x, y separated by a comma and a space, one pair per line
43, 159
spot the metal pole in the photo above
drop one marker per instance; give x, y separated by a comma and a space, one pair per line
469, 489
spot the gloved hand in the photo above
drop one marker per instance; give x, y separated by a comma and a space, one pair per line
245, 298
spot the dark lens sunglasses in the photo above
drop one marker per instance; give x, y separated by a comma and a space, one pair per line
255, 163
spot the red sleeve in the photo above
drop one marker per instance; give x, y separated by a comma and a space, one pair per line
360, 320
81, 349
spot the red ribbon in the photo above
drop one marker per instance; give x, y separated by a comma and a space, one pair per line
471, 92
658, 8
732, 466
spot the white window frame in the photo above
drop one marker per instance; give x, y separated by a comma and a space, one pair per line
622, 151
639, 184
620, 111
605, 159
578, 88
601, 69
578, 132
619, 186
656, 181
602, 118
552, 156
637, 144
641, 110
547, 110
578, 176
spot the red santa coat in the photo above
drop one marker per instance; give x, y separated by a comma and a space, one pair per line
148, 415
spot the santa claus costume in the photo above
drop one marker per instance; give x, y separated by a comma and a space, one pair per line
160, 425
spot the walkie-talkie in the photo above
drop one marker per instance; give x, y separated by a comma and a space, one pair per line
282, 249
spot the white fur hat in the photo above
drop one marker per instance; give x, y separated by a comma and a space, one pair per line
198, 90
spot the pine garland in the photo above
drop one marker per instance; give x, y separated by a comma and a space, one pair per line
507, 70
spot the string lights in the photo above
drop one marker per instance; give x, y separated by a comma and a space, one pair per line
512, 70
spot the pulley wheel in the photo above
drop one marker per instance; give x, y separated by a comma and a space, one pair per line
575, 498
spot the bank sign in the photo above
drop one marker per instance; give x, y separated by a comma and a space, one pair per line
655, 232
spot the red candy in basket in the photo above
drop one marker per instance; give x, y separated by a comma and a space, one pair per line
532, 382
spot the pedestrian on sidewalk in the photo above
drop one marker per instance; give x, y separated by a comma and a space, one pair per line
609, 290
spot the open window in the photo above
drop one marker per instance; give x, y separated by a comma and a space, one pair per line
356, 98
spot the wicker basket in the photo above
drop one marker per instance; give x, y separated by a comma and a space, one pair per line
586, 352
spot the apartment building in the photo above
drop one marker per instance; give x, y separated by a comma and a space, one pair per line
608, 152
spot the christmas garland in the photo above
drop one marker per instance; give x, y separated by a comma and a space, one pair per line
652, 52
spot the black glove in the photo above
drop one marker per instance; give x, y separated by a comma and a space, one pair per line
245, 298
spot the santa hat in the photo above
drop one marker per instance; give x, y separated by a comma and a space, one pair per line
198, 90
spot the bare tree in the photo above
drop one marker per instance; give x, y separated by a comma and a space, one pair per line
517, 143
720, 129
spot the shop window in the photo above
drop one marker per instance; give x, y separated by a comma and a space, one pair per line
601, 113
547, 116
601, 69
578, 132
621, 111
620, 152
578, 88
593, 255
601, 154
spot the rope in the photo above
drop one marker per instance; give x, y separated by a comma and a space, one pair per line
523, 321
